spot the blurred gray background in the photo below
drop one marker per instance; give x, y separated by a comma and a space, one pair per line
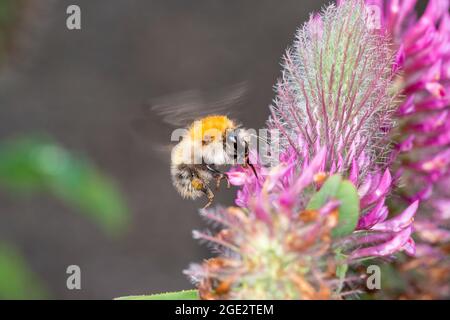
85, 88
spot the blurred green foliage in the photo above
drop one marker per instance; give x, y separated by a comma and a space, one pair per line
17, 281
35, 165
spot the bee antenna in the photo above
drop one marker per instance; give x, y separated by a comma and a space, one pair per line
247, 162
254, 171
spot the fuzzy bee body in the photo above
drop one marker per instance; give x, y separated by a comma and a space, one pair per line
211, 139
183, 177
209, 142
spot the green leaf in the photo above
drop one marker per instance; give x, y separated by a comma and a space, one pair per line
326, 192
348, 209
344, 191
17, 281
30, 165
179, 295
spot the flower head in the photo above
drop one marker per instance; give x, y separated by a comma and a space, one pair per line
321, 207
423, 44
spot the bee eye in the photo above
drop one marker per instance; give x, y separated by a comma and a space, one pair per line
232, 137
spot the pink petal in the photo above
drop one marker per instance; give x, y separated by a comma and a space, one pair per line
410, 247
237, 178
385, 249
379, 192
374, 216
399, 222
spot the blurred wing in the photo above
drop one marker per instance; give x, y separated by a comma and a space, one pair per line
161, 115
163, 151
180, 109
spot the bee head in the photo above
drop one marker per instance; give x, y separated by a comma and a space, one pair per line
236, 145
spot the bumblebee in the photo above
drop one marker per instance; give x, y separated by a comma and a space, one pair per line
211, 139
209, 142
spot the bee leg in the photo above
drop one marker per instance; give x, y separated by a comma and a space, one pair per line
201, 185
228, 181
208, 194
219, 179
253, 169
218, 175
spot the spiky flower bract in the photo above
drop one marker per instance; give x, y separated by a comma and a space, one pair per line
334, 92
